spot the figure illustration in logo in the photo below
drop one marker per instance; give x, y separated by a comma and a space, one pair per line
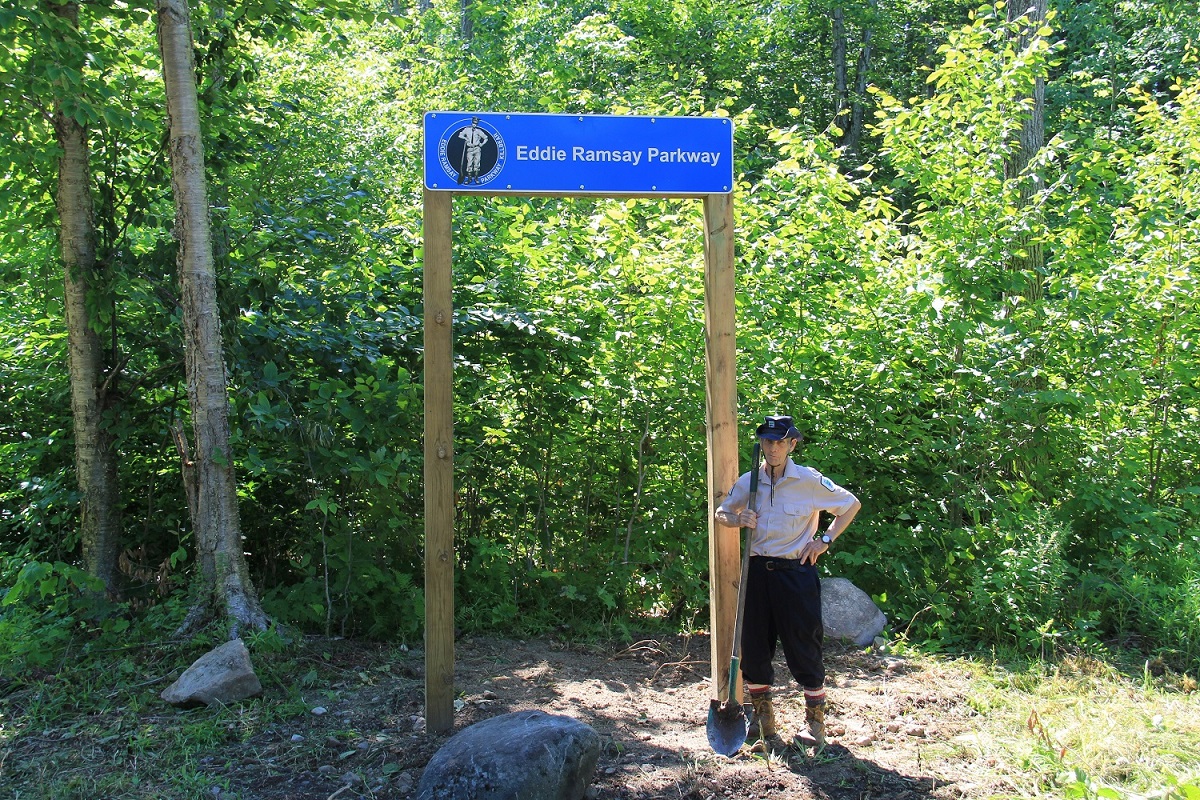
474, 138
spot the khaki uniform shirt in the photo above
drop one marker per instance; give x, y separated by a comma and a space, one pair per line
789, 511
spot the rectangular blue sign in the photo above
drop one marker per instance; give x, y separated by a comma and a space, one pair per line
577, 154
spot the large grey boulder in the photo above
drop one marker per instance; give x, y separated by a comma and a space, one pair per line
222, 675
526, 755
849, 612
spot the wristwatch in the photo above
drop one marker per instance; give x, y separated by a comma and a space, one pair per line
825, 538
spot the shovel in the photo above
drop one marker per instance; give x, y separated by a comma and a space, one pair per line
727, 723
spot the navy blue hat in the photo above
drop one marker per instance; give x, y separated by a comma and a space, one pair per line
778, 428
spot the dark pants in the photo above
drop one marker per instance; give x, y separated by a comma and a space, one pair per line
783, 605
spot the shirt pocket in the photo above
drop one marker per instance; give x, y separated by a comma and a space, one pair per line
795, 515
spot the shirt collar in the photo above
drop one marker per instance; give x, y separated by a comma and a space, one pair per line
790, 470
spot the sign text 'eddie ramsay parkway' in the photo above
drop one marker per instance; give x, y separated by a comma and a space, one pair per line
634, 157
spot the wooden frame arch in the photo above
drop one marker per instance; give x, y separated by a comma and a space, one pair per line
721, 419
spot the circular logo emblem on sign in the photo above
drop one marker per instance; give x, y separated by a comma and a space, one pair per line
471, 152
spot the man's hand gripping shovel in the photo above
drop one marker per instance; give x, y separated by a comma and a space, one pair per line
727, 721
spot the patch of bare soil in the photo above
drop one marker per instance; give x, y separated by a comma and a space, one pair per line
892, 725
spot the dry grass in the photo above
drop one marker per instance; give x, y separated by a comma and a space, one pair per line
1081, 725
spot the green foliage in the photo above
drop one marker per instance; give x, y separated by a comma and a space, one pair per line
1147, 595
1017, 434
38, 493
1017, 578
46, 608
1078, 785
359, 599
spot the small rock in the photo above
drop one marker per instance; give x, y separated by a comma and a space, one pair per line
405, 782
319, 710
849, 613
221, 676
915, 730
296, 738
324, 769
352, 779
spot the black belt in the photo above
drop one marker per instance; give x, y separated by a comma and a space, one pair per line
780, 563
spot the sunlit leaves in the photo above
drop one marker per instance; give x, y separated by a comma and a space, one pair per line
875, 303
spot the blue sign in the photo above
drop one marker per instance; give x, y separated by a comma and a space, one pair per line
578, 154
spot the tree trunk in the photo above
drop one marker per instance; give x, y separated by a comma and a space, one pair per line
468, 25
1028, 257
841, 92
853, 134
848, 115
224, 577
95, 456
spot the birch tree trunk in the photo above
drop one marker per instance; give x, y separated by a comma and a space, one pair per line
224, 577
95, 456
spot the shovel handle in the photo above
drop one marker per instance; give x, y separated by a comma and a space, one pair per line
736, 659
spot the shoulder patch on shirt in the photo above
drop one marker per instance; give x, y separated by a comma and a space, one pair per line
828, 484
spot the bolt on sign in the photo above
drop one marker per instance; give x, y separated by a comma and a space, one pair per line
578, 154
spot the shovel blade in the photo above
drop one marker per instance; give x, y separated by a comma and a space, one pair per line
727, 727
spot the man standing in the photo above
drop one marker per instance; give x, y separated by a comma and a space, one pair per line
474, 138
783, 590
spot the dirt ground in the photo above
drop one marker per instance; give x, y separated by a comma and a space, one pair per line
892, 725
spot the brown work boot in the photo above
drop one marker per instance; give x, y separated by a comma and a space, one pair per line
762, 721
814, 716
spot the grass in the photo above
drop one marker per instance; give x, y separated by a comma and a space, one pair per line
1082, 727
97, 729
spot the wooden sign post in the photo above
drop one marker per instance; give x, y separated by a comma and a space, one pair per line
567, 156
439, 466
